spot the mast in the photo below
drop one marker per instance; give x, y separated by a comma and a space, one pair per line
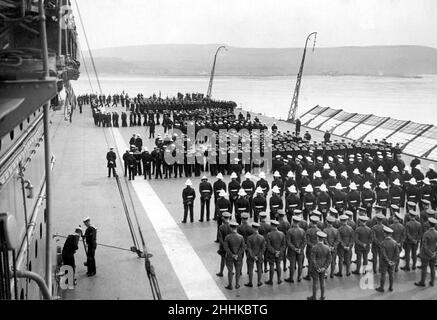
294, 102
211, 79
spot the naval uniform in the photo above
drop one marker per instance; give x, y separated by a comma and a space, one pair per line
234, 248
413, 235
256, 246
205, 190
389, 259
296, 242
320, 260
188, 196
91, 242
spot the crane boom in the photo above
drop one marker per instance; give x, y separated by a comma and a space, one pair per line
294, 102
211, 78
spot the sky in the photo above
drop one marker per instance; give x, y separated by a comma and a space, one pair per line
257, 23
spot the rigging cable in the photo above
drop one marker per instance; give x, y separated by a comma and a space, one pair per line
86, 68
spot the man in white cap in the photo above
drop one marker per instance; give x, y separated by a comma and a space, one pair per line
289, 181
395, 193
147, 160
413, 235
339, 198
275, 244
332, 181
263, 183
90, 237
278, 182
275, 203
320, 261
241, 205
353, 199
309, 201
223, 230
368, 198
357, 178
205, 190
426, 192
259, 203
292, 202
317, 182
346, 243
234, 248
256, 246
389, 259
428, 253
217, 186
249, 187
188, 196
382, 197
111, 158
412, 191
323, 201
233, 187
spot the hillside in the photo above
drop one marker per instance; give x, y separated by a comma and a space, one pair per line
197, 60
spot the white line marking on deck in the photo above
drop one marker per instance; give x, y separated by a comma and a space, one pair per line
195, 279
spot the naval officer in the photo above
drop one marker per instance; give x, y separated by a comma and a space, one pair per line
90, 237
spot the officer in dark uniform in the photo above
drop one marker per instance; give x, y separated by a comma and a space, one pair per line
275, 203
399, 233
241, 205
377, 238
346, 237
249, 188
256, 246
223, 230
332, 241
320, 260
188, 196
91, 244
323, 201
264, 229
428, 253
205, 190
367, 198
413, 235
296, 242
311, 240
363, 240
234, 248
245, 230
389, 259
234, 187
222, 205
275, 244
283, 226
293, 202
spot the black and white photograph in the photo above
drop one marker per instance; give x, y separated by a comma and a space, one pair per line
219, 155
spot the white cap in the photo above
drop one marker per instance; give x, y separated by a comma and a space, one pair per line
426, 181
204, 178
242, 193
222, 193
326, 166
304, 173
418, 167
309, 188
319, 158
86, 219
380, 169
369, 170
292, 189
220, 176
412, 181
323, 188
330, 158
395, 169
332, 173
262, 175
356, 171
276, 174
317, 174
344, 174
353, 186
338, 186
233, 175
275, 189
382, 185
259, 190
247, 175
290, 174
396, 182
188, 183
367, 185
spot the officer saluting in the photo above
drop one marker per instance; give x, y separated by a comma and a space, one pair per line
90, 237
320, 261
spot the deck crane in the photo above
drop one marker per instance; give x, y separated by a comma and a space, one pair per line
294, 102
211, 79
